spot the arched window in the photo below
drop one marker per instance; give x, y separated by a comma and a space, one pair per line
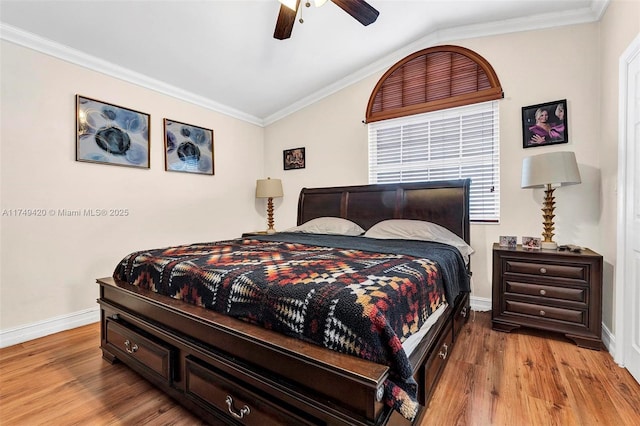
434, 115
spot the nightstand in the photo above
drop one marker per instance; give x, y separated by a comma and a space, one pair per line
550, 290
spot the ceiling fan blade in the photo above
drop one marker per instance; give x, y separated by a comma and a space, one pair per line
359, 9
286, 19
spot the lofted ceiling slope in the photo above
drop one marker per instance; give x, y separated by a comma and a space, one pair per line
222, 54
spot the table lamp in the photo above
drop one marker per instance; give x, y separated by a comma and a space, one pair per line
549, 171
270, 189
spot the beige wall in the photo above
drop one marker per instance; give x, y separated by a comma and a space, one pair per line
49, 264
533, 67
618, 28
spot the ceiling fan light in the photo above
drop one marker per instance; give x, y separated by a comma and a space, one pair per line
291, 4
319, 3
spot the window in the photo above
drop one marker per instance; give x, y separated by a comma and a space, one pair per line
453, 143
434, 116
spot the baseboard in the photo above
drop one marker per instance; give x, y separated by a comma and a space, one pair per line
609, 340
481, 304
38, 329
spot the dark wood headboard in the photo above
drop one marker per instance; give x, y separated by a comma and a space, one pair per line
443, 202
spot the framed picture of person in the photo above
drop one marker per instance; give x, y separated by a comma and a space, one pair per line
545, 124
531, 243
508, 241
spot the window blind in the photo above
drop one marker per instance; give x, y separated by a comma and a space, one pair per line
454, 143
431, 79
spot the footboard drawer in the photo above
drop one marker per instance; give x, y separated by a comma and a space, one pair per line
130, 344
437, 360
213, 389
461, 316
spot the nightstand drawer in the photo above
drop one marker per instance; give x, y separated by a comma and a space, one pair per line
541, 311
578, 272
564, 293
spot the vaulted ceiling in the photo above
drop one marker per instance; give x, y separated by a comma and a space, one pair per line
222, 54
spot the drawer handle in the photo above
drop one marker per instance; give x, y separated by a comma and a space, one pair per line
543, 292
543, 270
129, 348
463, 312
542, 313
444, 351
239, 415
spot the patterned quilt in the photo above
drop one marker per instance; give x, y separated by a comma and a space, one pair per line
350, 294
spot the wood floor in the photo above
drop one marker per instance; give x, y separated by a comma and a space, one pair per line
521, 378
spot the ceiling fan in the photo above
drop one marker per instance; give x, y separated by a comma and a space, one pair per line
359, 9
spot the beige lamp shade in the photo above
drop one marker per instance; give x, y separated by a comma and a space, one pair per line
269, 188
554, 168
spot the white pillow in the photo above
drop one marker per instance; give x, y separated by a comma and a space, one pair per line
328, 225
405, 229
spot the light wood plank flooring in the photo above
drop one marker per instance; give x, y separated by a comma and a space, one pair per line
521, 378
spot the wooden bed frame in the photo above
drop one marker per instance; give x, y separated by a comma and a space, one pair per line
227, 371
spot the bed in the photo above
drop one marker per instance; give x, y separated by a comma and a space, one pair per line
246, 370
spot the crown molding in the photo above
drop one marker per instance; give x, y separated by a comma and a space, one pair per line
76, 57
438, 36
532, 23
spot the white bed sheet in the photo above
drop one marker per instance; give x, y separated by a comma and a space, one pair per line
412, 341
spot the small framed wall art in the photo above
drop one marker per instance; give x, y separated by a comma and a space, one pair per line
188, 148
545, 124
111, 134
293, 158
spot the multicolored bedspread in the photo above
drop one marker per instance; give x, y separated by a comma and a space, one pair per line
355, 295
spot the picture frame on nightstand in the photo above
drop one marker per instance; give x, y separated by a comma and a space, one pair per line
508, 241
532, 243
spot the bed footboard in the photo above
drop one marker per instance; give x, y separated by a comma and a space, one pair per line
230, 372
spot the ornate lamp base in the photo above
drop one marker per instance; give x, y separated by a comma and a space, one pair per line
548, 245
547, 223
270, 229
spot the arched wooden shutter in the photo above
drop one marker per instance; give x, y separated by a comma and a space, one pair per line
432, 79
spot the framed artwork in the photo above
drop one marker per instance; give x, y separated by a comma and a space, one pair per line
293, 158
187, 148
111, 134
545, 124
531, 242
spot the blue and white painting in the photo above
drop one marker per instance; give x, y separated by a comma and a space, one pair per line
188, 148
111, 134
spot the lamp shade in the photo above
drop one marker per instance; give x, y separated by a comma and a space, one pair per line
553, 168
269, 188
